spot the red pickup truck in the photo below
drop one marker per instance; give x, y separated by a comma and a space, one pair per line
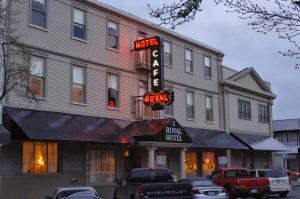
238, 183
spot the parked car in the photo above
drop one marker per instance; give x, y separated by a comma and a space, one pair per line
204, 188
279, 180
149, 183
238, 182
74, 192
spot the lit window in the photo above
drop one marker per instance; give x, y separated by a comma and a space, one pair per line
37, 77
79, 30
167, 53
191, 163
113, 91
207, 67
208, 163
169, 108
188, 61
78, 85
190, 105
113, 35
101, 166
40, 157
209, 108
263, 113
38, 13
244, 109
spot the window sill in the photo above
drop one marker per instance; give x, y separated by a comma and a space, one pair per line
190, 73
80, 104
39, 98
209, 122
264, 122
206, 77
169, 66
113, 49
113, 108
242, 118
78, 39
190, 119
38, 27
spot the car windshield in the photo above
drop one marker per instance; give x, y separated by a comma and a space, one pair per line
200, 183
150, 175
84, 194
276, 173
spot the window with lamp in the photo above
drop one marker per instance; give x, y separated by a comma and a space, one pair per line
78, 85
37, 77
40, 157
113, 91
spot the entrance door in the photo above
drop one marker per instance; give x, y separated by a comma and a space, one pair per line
162, 159
191, 166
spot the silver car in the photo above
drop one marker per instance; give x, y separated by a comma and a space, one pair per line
205, 188
75, 192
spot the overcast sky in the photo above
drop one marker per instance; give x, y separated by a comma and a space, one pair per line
242, 47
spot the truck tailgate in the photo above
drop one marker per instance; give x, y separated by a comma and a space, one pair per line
167, 190
253, 183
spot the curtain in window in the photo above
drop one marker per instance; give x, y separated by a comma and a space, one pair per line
94, 166
40, 157
37, 66
79, 16
191, 165
28, 151
113, 82
52, 157
78, 75
108, 166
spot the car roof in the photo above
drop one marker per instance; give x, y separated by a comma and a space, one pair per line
68, 188
194, 178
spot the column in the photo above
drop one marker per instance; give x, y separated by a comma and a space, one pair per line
151, 157
182, 163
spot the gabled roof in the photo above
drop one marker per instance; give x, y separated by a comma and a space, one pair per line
286, 125
254, 74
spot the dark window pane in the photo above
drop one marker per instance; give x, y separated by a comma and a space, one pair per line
112, 41
167, 59
38, 18
113, 98
78, 31
39, 5
112, 31
169, 109
188, 66
207, 71
190, 112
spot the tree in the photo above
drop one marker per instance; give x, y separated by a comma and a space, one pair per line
15, 59
279, 16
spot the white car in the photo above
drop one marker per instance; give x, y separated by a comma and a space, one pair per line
279, 182
75, 192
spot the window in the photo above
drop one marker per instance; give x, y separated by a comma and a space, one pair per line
37, 77
244, 109
191, 163
188, 61
113, 91
207, 67
167, 53
142, 55
209, 108
169, 108
101, 166
78, 85
79, 21
208, 163
190, 105
263, 113
40, 157
113, 35
38, 13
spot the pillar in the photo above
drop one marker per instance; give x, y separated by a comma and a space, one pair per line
182, 163
151, 157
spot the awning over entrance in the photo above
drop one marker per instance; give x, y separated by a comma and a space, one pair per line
46, 125
259, 142
4, 135
156, 130
212, 139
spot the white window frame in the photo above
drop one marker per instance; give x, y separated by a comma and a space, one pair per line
117, 90
117, 35
187, 60
207, 67
193, 105
43, 76
168, 53
263, 113
75, 23
81, 84
209, 109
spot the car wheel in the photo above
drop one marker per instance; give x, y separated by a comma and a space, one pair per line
115, 195
284, 194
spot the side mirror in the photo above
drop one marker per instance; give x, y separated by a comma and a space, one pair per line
48, 197
116, 181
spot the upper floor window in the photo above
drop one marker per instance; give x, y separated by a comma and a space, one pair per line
38, 13
207, 67
190, 113
142, 55
112, 34
263, 113
169, 108
188, 61
209, 108
40, 157
167, 53
79, 24
244, 109
37, 77
113, 91
78, 85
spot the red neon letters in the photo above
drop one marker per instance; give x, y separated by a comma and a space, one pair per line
163, 98
146, 43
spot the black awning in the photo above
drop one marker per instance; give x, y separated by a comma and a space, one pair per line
4, 135
212, 139
46, 125
155, 130
259, 142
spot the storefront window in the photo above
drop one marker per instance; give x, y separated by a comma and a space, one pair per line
101, 166
191, 165
40, 157
208, 163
